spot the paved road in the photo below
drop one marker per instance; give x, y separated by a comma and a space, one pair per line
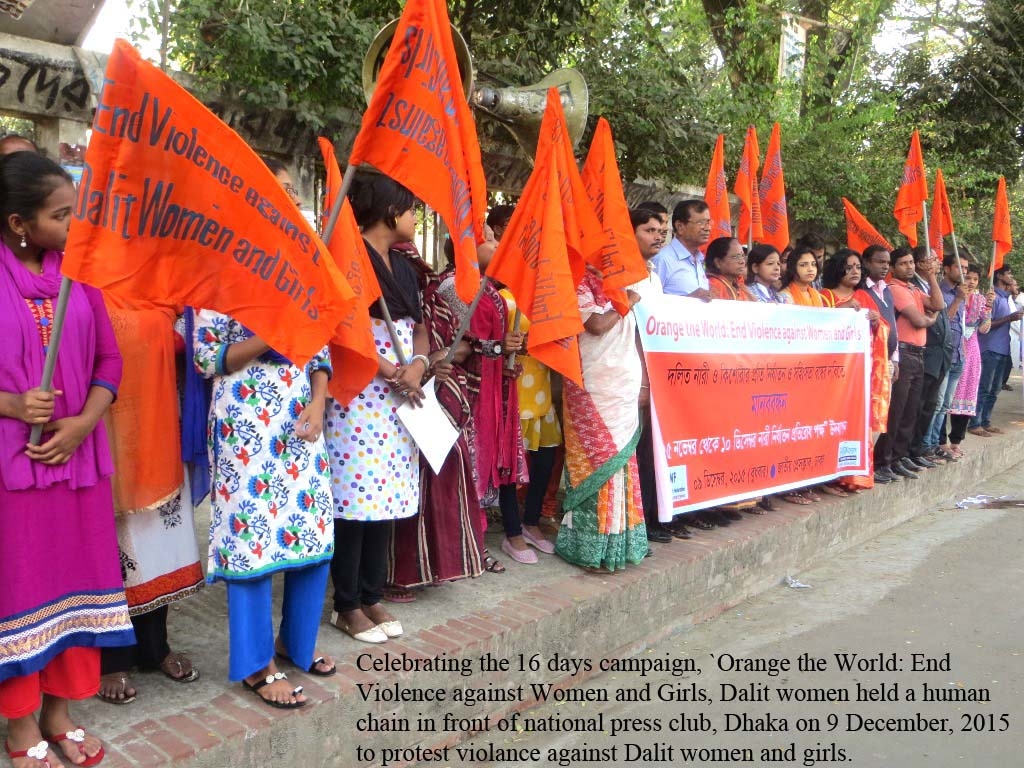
942, 592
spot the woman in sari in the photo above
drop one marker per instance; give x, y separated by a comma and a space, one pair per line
978, 319
603, 528
444, 542
726, 266
843, 288
799, 277
499, 458
798, 288
61, 593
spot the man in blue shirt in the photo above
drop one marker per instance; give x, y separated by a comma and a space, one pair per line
680, 264
955, 297
995, 354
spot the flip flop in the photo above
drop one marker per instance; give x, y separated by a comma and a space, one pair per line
177, 658
312, 667
76, 736
257, 686
38, 752
125, 699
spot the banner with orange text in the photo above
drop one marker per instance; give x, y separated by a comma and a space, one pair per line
750, 399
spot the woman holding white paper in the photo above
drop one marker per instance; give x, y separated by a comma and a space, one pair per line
374, 461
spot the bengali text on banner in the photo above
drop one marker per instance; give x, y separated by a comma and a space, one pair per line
750, 399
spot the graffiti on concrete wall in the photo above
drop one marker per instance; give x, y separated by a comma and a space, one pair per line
41, 86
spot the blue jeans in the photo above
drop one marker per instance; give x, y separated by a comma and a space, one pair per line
936, 432
993, 366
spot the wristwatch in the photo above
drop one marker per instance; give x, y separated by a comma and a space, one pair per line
489, 348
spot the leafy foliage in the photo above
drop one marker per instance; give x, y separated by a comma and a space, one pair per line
305, 55
671, 75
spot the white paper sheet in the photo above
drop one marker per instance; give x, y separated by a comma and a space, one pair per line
429, 427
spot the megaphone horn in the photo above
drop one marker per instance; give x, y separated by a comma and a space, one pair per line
520, 109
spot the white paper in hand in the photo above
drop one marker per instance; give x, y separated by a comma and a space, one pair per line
429, 427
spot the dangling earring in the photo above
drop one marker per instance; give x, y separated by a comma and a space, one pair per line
24, 244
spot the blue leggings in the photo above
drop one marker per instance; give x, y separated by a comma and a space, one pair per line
251, 620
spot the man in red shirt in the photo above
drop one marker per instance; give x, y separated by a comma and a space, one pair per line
915, 311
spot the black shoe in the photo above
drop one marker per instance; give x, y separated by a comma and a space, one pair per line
659, 535
719, 519
882, 478
907, 463
702, 522
732, 514
887, 471
902, 471
923, 463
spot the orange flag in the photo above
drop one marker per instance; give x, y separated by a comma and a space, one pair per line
774, 215
353, 350
716, 193
859, 232
535, 259
584, 234
419, 130
941, 223
1001, 238
913, 192
746, 190
621, 264
175, 208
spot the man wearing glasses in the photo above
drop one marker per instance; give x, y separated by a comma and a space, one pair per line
680, 264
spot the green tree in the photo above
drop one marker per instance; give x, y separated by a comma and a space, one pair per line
305, 55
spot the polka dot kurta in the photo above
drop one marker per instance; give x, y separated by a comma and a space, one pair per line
374, 460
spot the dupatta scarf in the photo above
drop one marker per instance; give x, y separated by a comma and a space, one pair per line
21, 369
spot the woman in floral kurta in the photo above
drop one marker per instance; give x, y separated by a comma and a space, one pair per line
271, 496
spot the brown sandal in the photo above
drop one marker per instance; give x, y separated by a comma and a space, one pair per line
177, 662
120, 695
797, 498
492, 565
834, 490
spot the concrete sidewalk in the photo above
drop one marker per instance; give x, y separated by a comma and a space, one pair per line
548, 609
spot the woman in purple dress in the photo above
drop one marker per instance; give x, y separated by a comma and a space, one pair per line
62, 597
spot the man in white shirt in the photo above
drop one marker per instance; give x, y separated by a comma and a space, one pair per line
680, 264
